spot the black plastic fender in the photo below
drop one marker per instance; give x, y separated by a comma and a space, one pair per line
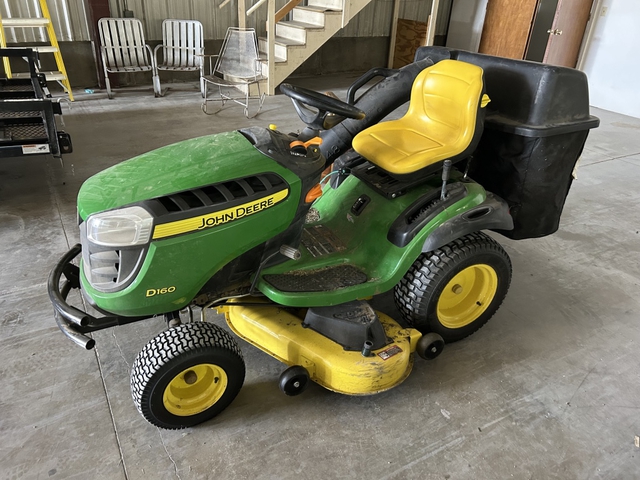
492, 214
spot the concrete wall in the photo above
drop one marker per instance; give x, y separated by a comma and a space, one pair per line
611, 59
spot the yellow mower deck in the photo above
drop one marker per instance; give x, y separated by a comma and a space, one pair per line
280, 333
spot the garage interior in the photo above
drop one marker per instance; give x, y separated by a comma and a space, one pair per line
548, 388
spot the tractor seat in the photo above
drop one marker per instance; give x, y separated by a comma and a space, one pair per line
444, 121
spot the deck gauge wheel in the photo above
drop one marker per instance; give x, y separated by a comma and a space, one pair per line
294, 380
430, 346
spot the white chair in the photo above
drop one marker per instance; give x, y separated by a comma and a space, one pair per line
182, 48
124, 50
237, 67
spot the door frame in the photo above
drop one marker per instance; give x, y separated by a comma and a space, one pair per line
596, 7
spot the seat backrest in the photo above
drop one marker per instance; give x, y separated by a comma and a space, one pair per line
239, 54
182, 42
444, 121
122, 41
445, 99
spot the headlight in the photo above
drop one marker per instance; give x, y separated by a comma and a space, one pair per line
120, 228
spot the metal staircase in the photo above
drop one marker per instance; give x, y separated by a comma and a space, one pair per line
297, 38
41, 22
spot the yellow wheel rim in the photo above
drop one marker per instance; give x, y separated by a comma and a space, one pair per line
195, 389
467, 296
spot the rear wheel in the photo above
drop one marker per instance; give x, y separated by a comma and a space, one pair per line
454, 290
187, 375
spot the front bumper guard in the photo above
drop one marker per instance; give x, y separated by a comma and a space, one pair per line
75, 323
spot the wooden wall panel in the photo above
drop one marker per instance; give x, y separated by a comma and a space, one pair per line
410, 35
506, 27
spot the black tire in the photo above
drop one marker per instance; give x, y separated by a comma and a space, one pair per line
430, 346
418, 293
187, 375
294, 380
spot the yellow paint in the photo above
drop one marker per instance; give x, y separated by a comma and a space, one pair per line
160, 291
3, 44
203, 222
467, 296
440, 122
280, 334
53, 40
195, 389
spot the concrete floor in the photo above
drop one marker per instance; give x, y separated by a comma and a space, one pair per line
548, 389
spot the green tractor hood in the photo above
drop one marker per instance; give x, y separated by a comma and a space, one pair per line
181, 166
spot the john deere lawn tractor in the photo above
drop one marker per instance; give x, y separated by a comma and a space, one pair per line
289, 235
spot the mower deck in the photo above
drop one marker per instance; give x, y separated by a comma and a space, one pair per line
281, 334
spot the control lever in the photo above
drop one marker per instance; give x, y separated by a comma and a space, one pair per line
446, 169
290, 252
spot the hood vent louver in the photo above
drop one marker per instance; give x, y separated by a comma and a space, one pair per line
217, 195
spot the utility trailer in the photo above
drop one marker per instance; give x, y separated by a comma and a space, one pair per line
28, 113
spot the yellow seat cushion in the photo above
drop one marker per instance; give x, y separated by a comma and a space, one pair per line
440, 122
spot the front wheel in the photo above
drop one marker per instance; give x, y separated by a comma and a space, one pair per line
454, 290
187, 375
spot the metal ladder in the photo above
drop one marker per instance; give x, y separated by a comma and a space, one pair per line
37, 22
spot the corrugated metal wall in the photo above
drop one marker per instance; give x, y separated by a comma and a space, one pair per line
68, 16
70, 23
373, 21
152, 12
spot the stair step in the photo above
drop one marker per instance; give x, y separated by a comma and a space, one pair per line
312, 15
295, 30
309, 16
301, 25
49, 75
25, 22
264, 59
327, 4
286, 42
318, 9
281, 46
39, 48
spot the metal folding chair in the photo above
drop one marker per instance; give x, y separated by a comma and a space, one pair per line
182, 48
237, 67
124, 50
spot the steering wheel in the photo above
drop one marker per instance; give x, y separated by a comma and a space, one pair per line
303, 98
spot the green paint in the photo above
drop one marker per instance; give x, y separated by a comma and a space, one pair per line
181, 166
187, 261
365, 238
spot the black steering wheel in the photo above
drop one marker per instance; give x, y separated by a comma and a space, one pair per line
325, 104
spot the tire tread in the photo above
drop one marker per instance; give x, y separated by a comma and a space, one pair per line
412, 293
170, 344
